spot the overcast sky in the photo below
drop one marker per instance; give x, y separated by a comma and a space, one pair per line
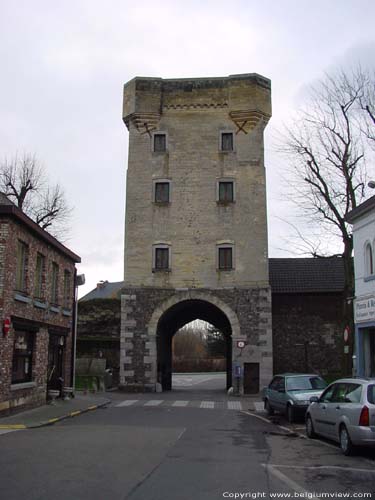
64, 63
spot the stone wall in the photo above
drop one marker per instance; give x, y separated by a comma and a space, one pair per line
308, 333
247, 311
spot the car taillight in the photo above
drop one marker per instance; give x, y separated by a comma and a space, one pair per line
364, 419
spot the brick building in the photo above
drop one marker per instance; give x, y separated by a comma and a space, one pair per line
37, 296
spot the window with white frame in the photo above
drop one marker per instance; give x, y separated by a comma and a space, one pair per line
161, 258
226, 141
159, 142
225, 257
369, 265
161, 191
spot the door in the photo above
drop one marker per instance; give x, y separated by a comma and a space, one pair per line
55, 362
251, 378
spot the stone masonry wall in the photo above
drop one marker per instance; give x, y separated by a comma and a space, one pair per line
248, 310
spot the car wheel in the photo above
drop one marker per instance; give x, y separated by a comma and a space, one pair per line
346, 444
268, 408
310, 428
290, 414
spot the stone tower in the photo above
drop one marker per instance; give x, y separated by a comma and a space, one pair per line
196, 229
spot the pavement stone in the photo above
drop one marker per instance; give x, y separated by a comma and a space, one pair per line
50, 414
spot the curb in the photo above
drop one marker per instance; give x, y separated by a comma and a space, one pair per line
53, 421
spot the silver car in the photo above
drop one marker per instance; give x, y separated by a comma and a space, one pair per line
345, 413
290, 393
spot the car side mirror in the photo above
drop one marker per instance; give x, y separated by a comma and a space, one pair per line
314, 399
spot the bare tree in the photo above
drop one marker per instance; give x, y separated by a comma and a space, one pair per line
25, 182
326, 151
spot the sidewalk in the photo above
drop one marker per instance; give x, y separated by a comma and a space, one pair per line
50, 414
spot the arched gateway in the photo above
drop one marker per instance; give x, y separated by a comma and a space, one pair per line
196, 233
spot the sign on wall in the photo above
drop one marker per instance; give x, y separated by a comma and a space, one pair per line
364, 309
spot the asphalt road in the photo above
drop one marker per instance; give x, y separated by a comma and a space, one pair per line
161, 451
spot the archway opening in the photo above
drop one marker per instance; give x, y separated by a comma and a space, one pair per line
174, 319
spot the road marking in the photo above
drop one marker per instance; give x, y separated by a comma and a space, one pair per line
315, 467
180, 403
234, 405
13, 426
153, 402
259, 406
6, 431
295, 487
207, 404
127, 402
257, 416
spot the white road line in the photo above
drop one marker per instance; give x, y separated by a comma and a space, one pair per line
127, 402
234, 405
180, 403
257, 416
259, 406
153, 402
208, 404
315, 467
295, 487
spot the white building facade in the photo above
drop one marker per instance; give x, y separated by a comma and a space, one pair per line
363, 220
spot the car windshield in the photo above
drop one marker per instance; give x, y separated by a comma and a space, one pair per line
308, 383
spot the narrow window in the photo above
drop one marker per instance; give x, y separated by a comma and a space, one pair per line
54, 284
226, 141
22, 251
39, 274
226, 258
226, 191
161, 192
22, 357
161, 258
369, 260
67, 289
160, 143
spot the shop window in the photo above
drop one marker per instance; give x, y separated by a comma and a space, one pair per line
22, 357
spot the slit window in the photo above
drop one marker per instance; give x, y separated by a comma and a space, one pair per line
160, 143
226, 141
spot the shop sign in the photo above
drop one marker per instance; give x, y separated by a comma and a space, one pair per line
364, 309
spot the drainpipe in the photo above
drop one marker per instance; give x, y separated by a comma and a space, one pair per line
79, 279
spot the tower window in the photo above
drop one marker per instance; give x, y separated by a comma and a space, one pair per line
225, 257
160, 143
226, 141
161, 192
161, 257
226, 192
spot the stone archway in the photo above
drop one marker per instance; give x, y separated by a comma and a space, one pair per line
179, 310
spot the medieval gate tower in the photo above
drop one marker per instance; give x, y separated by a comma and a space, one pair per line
196, 229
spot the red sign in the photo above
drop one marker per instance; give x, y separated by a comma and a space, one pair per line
6, 326
346, 334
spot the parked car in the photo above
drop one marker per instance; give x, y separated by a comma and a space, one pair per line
345, 412
290, 393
